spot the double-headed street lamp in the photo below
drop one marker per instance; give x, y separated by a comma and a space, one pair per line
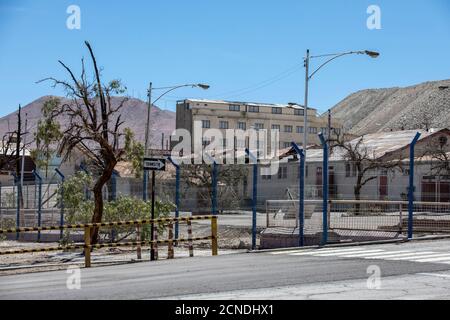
147, 133
150, 102
308, 77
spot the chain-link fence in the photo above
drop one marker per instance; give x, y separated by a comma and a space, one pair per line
262, 204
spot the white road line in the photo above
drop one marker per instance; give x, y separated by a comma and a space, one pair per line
346, 254
394, 255
290, 251
364, 255
324, 251
437, 259
425, 256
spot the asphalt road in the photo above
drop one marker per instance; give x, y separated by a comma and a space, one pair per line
328, 274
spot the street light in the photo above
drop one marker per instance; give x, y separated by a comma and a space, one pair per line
333, 56
150, 102
147, 131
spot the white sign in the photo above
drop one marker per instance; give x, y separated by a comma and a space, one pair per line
155, 164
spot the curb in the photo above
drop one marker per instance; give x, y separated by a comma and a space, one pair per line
354, 244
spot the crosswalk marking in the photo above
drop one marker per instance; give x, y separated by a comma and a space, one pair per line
395, 255
369, 255
351, 253
320, 251
372, 253
425, 255
435, 259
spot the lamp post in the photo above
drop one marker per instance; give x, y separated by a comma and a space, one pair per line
147, 134
150, 102
308, 77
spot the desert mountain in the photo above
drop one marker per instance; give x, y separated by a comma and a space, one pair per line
423, 106
134, 113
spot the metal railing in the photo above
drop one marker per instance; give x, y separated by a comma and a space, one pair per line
88, 229
387, 218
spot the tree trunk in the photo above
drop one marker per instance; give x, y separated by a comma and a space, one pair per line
98, 199
357, 193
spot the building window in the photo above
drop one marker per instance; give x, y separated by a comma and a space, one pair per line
187, 106
223, 125
354, 170
224, 143
324, 130
259, 126
206, 124
299, 112
287, 144
287, 128
266, 177
277, 110
299, 129
312, 130
235, 107
347, 170
276, 127
282, 173
253, 109
241, 125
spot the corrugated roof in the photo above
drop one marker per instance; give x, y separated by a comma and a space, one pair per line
378, 144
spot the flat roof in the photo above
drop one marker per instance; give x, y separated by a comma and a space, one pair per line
249, 103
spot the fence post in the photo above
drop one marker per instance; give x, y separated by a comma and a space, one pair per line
177, 195
170, 243
255, 195
145, 185
301, 194
214, 236
214, 188
17, 185
190, 243
38, 177
324, 190
411, 185
87, 247
114, 185
61, 218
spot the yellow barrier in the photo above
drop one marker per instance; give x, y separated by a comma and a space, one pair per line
87, 246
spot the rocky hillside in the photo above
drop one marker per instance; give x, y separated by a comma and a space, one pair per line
134, 113
426, 105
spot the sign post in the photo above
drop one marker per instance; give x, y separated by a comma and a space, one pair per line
153, 164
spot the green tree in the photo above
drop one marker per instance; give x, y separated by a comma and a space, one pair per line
47, 135
134, 152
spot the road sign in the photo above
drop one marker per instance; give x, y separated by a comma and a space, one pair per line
155, 164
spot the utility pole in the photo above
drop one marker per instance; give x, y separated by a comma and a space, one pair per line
305, 117
23, 156
147, 128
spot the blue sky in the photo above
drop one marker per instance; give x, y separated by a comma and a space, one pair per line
238, 47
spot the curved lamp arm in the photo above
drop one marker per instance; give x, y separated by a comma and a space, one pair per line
371, 54
203, 86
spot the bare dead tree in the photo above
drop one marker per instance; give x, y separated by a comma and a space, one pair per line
94, 125
364, 161
198, 179
437, 153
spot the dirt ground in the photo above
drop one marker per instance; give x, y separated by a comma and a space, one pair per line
230, 240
